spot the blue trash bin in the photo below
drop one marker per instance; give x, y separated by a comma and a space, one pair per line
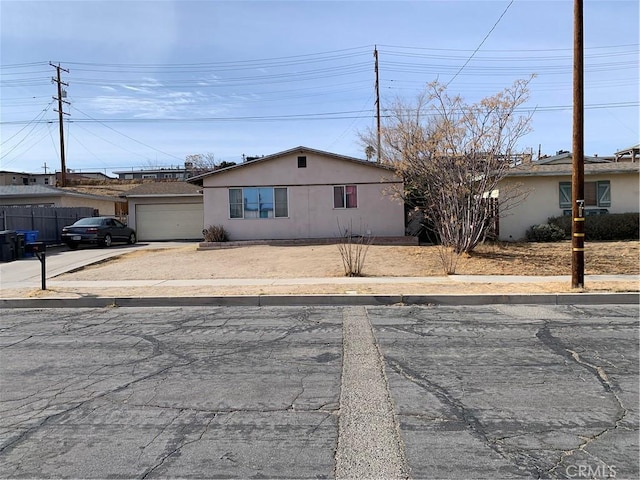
30, 236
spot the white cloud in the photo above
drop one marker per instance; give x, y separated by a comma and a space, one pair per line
157, 104
151, 82
135, 89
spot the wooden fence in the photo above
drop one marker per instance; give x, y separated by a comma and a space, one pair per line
47, 221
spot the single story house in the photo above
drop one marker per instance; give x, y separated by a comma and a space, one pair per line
166, 211
609, 187
79, 176
48, 196
22, 178
303, 193
156, 174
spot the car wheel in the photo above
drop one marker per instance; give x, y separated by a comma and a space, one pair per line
132, 238
107, 240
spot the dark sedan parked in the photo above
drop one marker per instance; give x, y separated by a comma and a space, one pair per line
97, 230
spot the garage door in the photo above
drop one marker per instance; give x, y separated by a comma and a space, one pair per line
169, 221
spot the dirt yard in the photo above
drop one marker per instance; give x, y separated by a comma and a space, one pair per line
324, 262
265, 261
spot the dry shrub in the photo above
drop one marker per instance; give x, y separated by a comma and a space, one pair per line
215, 233
353, 250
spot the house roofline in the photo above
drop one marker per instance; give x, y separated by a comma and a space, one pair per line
156, 195
628, 149
159, 170
53, 192
542, 172
198, 179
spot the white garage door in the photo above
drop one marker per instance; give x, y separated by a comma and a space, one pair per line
169, 221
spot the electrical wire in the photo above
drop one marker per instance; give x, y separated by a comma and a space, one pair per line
481, 43
36, 119
188, 92
127, 136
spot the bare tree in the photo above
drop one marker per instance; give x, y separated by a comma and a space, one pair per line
201, 162
452, 155
204, 162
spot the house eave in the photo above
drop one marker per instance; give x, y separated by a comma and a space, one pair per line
198, 180
569, 171
164, 195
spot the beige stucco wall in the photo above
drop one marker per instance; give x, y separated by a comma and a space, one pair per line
543, 200
310, 199
105, 207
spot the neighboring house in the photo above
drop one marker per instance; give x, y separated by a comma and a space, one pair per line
21, 178
564, 157
53, 179
74, 176
47, 196
166, 211
631, 154
610, 187
303, 193
154, 174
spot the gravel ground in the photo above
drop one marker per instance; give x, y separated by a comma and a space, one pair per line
324, 261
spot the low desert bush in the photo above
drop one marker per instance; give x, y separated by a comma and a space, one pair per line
545, 232
611, 226
353, 250
215, 233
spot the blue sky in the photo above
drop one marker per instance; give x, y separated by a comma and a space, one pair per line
151, 82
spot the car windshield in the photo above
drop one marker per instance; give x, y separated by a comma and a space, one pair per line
84, 222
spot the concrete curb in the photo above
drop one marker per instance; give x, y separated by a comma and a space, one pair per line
326, 300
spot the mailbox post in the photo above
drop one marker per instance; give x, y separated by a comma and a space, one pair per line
39, 248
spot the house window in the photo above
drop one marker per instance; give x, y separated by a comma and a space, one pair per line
149, 175
596, 194
258, 202
302, 162
46, 181
345, 196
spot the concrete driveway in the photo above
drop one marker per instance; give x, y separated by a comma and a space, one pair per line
60, 259
492, 391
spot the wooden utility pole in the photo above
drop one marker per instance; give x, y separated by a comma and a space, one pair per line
61, 113
375, 54
577, 178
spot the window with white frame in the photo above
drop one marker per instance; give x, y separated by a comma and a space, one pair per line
596, 194
258, 202
345, 196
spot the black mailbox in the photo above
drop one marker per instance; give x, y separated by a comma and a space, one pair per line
35, 247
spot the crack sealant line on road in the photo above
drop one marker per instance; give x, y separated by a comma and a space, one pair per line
369, 441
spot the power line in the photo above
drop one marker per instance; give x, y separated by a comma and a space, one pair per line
481, 43
35, 135
338, 115
114, 144
35, 120
126, 136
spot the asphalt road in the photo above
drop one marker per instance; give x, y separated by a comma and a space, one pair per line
492, 391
